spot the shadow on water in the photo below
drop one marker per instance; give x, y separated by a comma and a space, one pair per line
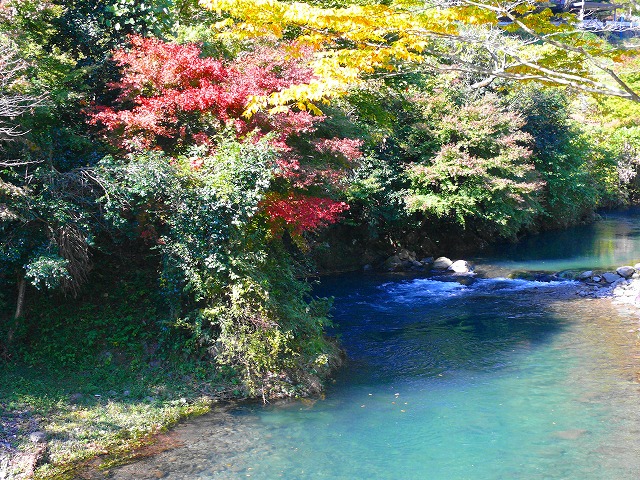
420, 327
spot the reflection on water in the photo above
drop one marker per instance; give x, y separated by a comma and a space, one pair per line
500, 379
609, 243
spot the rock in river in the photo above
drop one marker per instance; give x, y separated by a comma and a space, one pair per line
585, 275
610, 277
392, 263
459, 266
442, 263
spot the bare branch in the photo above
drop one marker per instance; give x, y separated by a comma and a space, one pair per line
13, 103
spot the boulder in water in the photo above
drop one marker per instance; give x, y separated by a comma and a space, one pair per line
406, 255
442, 263
627, 271
460, 266
546, 277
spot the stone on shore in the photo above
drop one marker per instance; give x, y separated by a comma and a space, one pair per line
585, 275
627, 271
392, 263
37, 437
460, 266
610, 277
442, 263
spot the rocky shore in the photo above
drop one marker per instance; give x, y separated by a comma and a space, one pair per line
623, 284
407, 261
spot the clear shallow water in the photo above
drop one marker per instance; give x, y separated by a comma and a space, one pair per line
611, 242
499, 379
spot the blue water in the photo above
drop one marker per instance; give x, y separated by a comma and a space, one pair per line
491, 379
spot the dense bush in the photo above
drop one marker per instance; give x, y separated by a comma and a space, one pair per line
226, 278
577, 174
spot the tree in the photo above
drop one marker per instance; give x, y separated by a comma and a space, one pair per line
520, 40
172, 99
13, 102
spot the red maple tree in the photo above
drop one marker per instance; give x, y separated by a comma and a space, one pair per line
171, 97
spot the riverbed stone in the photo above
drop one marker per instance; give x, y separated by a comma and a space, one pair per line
585, 275
392, 263
610, 277
427, 260
460, 266
442, 263
406, 255
626, 271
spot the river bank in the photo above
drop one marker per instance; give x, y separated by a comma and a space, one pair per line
48, 433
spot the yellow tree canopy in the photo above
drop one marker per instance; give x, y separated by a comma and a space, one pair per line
520, 40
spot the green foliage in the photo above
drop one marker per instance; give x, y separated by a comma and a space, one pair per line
481, 172
577, 175
230, 285
445, 154
47, 271
92, 29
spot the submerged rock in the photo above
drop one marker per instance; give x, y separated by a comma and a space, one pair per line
442, 263
572, 434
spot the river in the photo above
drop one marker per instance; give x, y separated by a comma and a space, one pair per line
493, 378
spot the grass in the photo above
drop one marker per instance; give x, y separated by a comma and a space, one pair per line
81, 424
98, 376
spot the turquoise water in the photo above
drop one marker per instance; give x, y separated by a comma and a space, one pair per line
493, 379
611, 242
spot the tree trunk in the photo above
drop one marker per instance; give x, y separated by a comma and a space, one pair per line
22, 286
